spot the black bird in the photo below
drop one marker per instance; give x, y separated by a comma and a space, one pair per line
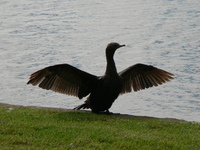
103, 90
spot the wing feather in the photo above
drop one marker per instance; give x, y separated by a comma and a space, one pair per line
64, 79
141, 76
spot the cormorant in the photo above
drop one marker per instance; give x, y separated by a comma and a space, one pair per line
102, 90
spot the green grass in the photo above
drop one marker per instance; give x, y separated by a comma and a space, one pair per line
40, 128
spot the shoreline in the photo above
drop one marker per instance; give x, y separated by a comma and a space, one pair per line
115, 114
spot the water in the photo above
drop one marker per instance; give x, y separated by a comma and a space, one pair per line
164, 33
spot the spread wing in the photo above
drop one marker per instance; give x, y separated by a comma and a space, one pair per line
141, 76
64, 79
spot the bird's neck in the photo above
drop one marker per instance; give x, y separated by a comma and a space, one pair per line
110, 68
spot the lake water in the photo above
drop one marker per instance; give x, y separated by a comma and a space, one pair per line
164, 33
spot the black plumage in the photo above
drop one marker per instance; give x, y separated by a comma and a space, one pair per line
102, 90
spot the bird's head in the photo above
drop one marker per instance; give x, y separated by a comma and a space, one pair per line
111, 48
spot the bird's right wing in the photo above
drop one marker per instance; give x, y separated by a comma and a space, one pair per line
141, 76
64, 79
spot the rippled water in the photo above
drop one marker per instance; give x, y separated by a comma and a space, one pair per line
164, 33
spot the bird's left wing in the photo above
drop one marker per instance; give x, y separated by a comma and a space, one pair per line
64, 79
141, 76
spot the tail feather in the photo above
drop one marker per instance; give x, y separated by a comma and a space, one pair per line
83, 106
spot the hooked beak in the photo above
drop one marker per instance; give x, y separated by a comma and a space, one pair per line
122, 45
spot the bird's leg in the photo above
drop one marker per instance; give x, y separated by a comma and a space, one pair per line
102, 112
108, 112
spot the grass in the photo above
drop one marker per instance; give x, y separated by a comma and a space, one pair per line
40, 128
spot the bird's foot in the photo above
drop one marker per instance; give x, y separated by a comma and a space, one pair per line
103, 112
108, 112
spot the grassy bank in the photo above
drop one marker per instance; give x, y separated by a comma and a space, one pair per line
40, 128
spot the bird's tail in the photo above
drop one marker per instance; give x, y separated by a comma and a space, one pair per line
83, 106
